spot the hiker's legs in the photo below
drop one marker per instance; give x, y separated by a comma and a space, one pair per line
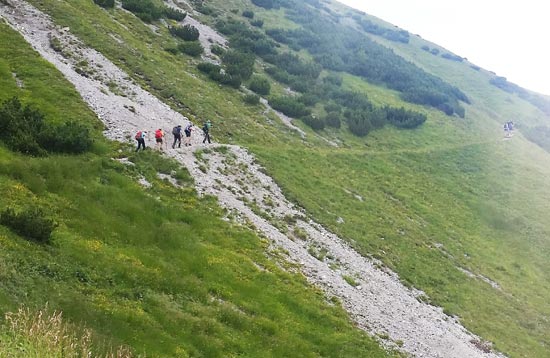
206, 137
141, 143
175, 140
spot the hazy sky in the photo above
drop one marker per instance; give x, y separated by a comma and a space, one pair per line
509, 37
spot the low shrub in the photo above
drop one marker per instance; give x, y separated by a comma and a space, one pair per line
217, 50
69, 137
289, 106
107, 4
19, 126
257, 23
251, 99
146, 10
248, 13
174, 14
333, 119
31, 224
260, 85
193, 48
314, 122
24, 130
208, 67
186, 33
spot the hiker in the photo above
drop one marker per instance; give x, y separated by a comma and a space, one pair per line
159, 135
510, 126
140, 137
188, 129
176, 131
506, 133
206, 130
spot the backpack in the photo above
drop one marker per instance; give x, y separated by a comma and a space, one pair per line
138, 135
175, 131
205, 128
158, 133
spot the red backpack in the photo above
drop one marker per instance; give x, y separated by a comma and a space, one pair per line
138, 135
158, 133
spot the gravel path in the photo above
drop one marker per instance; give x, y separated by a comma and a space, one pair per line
374, 297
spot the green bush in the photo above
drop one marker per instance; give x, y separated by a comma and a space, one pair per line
333, 119
238, 63
260, 85
31, 224
257, 23
174, 14
217, 50
289, 106
23, 129
358, 123
251, 99
314, 122
248, 13
193, 48
208, 67
19, 127
146, 10
69, 137
105, 3
186, 33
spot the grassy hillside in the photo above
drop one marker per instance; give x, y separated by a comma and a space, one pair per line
155, 269
454, 209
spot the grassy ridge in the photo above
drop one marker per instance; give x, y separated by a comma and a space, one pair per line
426, 214
157, 269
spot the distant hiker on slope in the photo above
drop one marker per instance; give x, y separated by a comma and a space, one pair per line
206, 130
506, 130
188, 129
511, 127
140, 137
176, 131
159, 136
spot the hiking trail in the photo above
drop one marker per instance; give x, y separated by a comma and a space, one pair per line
377, 301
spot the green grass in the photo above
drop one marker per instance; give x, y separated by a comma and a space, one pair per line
156, 269
449, 194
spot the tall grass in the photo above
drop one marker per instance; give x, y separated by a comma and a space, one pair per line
44, 334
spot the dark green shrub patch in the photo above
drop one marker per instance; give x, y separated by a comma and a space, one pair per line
314, 122
19, 126
192, 48
146, 10
24, 130
69, 137
260, 85
187, 32
289, 106
108, 4
174, 14
31, 224
251, 99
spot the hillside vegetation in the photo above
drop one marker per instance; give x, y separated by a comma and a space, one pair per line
445, 202
156, 270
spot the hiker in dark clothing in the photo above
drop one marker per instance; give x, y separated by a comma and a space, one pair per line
187, 131
206, 131
177, 136
140, 137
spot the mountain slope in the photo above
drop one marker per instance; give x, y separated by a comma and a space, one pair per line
157, 269
449, 205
